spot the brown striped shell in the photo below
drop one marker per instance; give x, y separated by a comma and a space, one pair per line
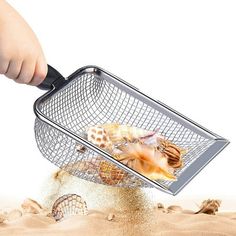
172, 152
69, 205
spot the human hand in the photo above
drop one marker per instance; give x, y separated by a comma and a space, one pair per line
21, 56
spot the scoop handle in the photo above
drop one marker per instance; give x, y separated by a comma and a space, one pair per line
52, 76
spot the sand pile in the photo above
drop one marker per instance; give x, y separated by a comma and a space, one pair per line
33, 219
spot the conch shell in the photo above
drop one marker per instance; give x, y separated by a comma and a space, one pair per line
107, 135
209, 206
146, 160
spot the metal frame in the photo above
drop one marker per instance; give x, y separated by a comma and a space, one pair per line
219, 144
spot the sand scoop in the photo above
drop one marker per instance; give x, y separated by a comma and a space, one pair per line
92, 97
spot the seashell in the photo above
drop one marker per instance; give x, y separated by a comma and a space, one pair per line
14, 215
2, 218
69, 205
209, 206
146, 160
98, 136
81, 148
160, 206
111, 217
173, 153
31, 206
174, 209
110, 174
152, 140
124, 133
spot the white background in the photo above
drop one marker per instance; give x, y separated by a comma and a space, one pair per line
180, 52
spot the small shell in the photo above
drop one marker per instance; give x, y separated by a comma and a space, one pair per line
173, 152
174, 209
2, 218
98, 136
110, 174
69, 205
152, 140
111, 217
14, 215
31, 206
160, 206
81, 148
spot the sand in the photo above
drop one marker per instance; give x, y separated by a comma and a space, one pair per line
112, 212
96, 223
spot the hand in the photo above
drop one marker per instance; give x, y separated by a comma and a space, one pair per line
21, 56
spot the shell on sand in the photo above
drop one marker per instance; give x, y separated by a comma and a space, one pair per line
209, 206
31, 206
2, 218
110, 217
69, 205
174, 209
160, 206
110, 174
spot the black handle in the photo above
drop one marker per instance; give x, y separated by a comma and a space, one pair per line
51, 77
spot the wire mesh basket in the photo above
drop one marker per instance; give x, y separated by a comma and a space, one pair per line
92, 96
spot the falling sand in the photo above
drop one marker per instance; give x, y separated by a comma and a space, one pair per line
99, 196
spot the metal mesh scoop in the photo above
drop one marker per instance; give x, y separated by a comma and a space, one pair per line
92, 96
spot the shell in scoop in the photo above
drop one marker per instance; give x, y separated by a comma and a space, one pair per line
110, 174
173, 152
69, 205
146, 160
122, 133
98, 136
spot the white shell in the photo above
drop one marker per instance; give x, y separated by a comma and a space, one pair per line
31, 206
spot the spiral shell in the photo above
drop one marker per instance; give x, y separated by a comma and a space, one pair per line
110, 174
69, 205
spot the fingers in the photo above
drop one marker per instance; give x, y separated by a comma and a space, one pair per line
26, 73
40, 72
13, 70
29, 71
4, 64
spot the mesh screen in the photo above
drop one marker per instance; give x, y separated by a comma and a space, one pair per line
90, 100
